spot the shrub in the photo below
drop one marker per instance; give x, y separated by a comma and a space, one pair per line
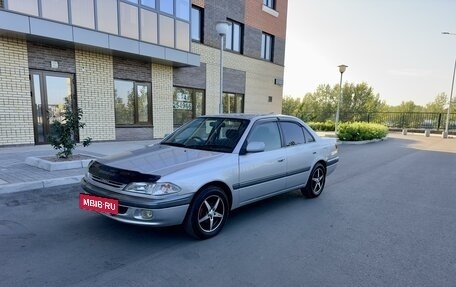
64, 133
322, 126
360, 131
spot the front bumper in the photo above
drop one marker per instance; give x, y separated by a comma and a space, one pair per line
331, 165
165, 212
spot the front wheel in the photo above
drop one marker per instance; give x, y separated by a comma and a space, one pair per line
207, 214
316, 182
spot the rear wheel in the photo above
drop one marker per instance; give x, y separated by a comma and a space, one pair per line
316, 182
207, 214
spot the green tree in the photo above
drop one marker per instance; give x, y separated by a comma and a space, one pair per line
439, 105
291, 106
63, 137
406, 107
356, 102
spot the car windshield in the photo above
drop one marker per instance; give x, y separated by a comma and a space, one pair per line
206, 133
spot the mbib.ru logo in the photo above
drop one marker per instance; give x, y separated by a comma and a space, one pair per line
100, 204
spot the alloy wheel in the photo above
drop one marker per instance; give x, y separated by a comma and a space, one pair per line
211, 213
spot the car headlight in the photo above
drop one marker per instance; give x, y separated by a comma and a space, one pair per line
158, 188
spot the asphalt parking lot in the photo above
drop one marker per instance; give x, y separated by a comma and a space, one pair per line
386, 218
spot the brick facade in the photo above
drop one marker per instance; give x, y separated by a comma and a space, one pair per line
191, 77
216, 10
94, 72
252, 42
95, 94
40, 57
162, 99
259, 80
234, 81
16, 122
131, 69
257, 18
279, 51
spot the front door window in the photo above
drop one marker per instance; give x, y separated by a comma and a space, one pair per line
49, 91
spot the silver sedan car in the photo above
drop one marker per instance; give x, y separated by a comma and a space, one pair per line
210, 166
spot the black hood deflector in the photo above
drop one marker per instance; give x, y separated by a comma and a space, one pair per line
120, 175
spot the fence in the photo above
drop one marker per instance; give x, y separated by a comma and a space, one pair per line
399, 120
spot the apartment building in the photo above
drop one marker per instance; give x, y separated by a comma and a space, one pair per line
137, 68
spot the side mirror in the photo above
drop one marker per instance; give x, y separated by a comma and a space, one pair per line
253, 147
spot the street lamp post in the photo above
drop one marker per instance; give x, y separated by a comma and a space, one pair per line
222, 29
445, 133
342, 69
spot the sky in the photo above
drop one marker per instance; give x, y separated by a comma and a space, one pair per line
395, 46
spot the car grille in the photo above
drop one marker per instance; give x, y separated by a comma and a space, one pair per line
106, 181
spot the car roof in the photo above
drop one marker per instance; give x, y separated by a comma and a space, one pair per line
249, 116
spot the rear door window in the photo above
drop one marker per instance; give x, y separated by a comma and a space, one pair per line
292, 133
309, 136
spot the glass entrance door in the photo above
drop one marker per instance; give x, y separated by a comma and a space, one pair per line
49, 91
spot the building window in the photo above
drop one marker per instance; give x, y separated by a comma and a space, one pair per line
148, 3
197, 24
129, 21
107, 16
29, 7
182, 35
83, 13
267, 46
187, 104
183, 9
166, 31
167, 6
233, 103
132, 103
269, 3
234, 37
149, 26
55, 10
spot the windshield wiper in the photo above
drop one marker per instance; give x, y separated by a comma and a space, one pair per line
212, 147
173, 144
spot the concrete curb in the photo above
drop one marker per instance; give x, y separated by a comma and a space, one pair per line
361, 142
52, 166
24, 186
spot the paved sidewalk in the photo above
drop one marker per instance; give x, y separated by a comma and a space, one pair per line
16, 175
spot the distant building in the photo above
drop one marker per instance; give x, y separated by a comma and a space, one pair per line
137, 68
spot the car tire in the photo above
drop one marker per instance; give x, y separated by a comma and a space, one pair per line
316, 182
207, 214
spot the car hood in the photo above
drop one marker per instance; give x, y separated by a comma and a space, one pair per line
158, 159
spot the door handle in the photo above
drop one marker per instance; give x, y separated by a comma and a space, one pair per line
281, 160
